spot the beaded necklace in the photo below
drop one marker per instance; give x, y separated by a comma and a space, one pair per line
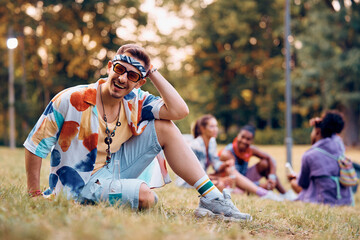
108, 139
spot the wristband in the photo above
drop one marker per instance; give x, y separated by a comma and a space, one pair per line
272, 177
34, 193
151, 70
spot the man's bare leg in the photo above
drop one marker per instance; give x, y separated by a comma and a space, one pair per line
179, 155
185, 164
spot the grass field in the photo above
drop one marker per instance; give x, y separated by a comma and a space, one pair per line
25, 218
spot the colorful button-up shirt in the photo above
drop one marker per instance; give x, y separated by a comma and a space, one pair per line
68, 128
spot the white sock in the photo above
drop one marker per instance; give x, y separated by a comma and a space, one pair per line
207, 189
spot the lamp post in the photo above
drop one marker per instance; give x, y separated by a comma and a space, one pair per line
11, 43
288, 138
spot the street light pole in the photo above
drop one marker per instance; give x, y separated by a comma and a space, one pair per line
11, 44
288, 138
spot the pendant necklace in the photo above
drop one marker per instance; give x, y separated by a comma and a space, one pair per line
108, 139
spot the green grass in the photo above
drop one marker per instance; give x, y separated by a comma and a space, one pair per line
25, 218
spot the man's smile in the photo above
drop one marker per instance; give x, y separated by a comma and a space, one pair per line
118, 85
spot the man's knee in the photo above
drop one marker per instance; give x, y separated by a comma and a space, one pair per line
263, 166
164, 125
146, 197
165, 129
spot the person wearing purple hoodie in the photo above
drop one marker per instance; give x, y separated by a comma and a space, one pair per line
316, 182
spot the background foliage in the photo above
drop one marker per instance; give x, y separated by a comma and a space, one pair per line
224, 57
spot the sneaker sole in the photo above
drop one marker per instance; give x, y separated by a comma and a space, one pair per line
203, 212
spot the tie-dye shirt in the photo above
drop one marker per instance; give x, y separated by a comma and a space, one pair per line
69, 127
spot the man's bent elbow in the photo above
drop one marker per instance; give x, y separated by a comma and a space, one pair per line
185, 112
181, 113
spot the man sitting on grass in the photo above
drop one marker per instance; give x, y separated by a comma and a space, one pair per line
241, 150
87, 127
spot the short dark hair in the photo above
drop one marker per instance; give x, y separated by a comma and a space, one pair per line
137, 52
249, 128
332, 122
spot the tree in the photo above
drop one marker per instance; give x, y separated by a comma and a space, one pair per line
236, 69
328, 64
65, 43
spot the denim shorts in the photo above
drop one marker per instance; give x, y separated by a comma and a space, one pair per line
135, 155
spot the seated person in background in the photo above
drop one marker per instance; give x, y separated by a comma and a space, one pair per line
317, 120
204, 146
314, 183
240, 151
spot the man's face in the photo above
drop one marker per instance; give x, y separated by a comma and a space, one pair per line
244, 139
119, 84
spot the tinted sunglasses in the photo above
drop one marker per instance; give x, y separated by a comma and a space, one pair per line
131, 75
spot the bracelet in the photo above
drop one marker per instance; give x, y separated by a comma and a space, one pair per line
35, 193
272, 177
152, 70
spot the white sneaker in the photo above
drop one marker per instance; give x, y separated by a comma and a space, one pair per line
289, 195
272, 196
222, 208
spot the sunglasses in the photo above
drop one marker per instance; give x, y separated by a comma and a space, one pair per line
131, 75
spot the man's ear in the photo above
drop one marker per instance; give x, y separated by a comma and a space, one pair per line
109, 67
318, 132
140, 82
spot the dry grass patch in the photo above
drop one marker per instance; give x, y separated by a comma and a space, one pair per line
25, 218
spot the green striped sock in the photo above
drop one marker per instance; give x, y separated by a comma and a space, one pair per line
206, 188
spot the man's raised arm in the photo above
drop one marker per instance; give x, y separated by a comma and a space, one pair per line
175, 107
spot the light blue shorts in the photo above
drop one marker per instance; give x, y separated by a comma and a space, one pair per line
135, 155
